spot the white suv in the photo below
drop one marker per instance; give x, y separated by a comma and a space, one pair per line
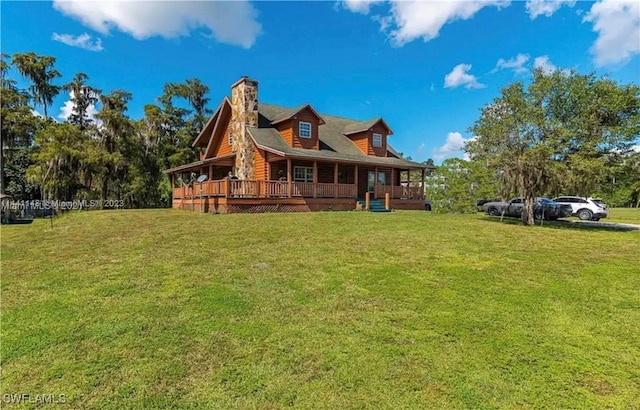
587, 209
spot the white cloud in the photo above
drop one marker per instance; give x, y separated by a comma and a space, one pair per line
453, 147
36, 113
516, 64
459, 77
543, 62
618, 26
360, 6
81, 41
537, 8
230, 22
67, 109
412, 19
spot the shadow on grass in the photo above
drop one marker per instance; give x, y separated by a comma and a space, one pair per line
568, 224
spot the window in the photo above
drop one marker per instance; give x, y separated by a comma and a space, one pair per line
377, 140
305, 129
230, 140
303, 174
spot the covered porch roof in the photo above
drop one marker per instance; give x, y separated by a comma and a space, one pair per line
225, 160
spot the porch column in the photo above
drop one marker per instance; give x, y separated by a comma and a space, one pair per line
210, 172
375, 183
355, 179
315, 179
335, 179
289, 175
393, 181
422, 185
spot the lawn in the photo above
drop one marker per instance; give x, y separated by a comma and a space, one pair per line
342, 310
623, 215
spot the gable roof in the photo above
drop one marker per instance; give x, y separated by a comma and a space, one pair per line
335, 146
288, 113
208, 128
365, 126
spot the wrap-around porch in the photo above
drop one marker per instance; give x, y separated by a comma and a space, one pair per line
291, 178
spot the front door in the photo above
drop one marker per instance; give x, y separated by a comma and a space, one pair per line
371, 181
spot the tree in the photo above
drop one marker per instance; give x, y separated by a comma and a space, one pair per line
83, 96
194, 91
555, 133
116, 128
456, 184
65, 161
39, 70
18, 125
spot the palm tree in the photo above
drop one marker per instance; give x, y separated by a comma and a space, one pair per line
39, 70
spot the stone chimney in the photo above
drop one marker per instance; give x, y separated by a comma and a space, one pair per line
244, 113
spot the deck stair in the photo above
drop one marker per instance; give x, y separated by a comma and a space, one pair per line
375, 205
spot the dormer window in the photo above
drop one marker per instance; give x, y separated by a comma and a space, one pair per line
230, 139
305, 129
377, 140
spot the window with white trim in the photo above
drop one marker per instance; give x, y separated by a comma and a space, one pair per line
377, 140
303, 174
230, 139
305, 129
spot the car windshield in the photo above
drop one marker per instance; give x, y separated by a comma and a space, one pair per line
546, 200
598, 202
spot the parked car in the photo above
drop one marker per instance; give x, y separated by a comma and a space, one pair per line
481, 201
427, 205
543, 208
587, 209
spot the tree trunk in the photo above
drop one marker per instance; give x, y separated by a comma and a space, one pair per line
105, 187
527, 209
1, 165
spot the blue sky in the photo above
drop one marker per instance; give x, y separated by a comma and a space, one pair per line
426, 67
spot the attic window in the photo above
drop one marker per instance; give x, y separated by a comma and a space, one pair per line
377, 140
305, 129
230, 140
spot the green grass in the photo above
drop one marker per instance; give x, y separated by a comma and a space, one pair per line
624, 215
172, 309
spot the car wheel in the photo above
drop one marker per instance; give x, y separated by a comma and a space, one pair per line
493, 211
537, 214
427, 207
585, 214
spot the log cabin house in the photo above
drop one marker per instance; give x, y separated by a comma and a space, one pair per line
292, 159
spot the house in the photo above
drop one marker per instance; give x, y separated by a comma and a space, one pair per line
257, 157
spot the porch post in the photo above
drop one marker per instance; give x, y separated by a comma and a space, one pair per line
393, 181
315, 179
335, 179
289, 175
210, 172
375, 183
422, 185
355, 179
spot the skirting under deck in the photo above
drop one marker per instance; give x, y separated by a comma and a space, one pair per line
248, 205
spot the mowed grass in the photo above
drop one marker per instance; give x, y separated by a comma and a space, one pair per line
623, 215
337, 310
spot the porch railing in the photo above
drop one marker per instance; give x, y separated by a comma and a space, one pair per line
280, 189
264, 189
400, 192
